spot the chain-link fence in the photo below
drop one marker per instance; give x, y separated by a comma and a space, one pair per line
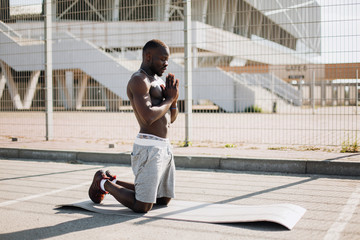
263, 72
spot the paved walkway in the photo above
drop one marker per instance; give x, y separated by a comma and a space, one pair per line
31, 190
294, 159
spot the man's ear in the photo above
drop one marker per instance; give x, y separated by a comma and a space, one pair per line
148, 56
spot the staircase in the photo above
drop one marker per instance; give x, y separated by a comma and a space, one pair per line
69, 52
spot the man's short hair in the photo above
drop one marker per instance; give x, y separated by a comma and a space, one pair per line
152, 44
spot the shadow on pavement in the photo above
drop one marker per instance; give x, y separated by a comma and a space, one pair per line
93, 220
236, 199
259, 226
47, 174
337, 158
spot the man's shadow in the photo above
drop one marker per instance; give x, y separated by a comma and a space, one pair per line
94, 220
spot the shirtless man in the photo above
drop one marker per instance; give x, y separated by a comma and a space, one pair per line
154, 105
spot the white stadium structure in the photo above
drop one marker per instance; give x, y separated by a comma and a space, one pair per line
98, 44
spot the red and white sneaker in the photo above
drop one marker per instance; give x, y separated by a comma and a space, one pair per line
95, 192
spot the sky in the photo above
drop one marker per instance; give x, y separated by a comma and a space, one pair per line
340, 29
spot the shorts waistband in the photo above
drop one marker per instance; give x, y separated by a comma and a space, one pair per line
151, 140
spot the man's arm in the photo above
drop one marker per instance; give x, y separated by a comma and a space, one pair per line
170, 81
148, 114
174, 111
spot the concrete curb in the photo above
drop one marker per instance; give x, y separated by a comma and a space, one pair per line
203, 162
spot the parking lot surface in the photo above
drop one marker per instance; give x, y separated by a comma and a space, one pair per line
31, 189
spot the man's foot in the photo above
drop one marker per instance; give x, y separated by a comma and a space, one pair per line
95, 192
110, 176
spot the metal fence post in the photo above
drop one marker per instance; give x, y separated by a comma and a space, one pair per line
188, 71
48, 72
357, 91
356, 104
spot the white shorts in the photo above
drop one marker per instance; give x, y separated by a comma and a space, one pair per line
153, 165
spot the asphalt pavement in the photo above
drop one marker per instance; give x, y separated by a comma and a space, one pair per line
31, 189
36, 176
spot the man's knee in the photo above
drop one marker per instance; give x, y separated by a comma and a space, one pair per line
141, 207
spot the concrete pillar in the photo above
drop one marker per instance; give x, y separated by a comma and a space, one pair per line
195, 57
341, 94
115, 11
328, 94
167, 10
2, 81
199, 10
105, 98
334, 91
69, 83
65, 83
15, 96
301, 90
81, 91
352, 94
5, 10
162, 10
31, 89
60, 79
53, 10
217, 8
231, 15
323, 93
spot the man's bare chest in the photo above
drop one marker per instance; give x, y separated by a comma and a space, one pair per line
156, 91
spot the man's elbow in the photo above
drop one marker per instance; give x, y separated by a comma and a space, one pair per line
173, 118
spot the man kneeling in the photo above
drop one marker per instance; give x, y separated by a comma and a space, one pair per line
155, 108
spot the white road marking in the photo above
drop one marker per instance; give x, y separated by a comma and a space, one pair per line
7, 203
339, 225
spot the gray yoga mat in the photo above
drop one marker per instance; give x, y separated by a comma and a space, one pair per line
285, 214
